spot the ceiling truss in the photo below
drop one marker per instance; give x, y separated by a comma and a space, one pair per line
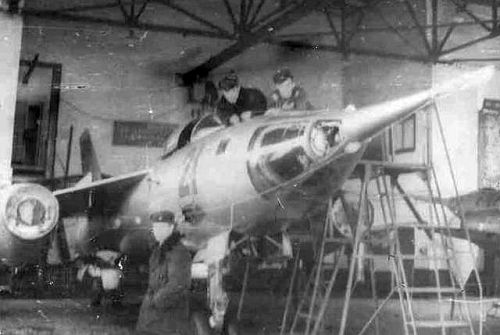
249, 22
435, 44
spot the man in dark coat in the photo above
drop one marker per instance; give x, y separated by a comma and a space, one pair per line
288, 95
165, 306
238, 103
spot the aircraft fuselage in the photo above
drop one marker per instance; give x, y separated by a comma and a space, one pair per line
252, 178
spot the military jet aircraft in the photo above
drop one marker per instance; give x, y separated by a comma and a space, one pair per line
252, 179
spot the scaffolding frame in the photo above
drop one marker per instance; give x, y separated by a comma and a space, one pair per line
314, 303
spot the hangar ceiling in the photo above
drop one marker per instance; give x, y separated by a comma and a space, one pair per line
430, 31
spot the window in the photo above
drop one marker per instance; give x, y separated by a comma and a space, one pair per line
404, 135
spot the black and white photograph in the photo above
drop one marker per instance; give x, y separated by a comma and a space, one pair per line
250, 167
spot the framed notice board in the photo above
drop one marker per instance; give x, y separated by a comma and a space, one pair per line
135, 133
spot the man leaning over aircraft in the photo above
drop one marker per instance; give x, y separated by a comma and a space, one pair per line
288, 95
238, 103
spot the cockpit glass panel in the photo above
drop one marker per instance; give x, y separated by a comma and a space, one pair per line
290, 164
277, 155
282, 134
206, 125
190, 132
171, 143
280, 153
324, 135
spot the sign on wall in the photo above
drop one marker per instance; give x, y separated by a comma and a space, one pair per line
136, 133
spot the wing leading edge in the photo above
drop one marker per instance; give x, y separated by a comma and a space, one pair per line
111, 191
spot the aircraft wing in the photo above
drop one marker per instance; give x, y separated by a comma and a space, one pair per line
110, 191
484, 240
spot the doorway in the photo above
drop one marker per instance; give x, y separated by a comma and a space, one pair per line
35, 121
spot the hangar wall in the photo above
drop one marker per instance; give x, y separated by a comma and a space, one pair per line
10, 45
103, 79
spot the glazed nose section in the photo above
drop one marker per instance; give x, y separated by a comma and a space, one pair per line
324, 136
279, 153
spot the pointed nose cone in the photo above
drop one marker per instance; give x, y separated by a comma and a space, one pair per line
370, 121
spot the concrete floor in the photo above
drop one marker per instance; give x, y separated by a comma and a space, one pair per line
261, 314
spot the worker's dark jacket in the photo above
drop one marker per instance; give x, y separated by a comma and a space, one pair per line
297, 101
165, 306
249, 99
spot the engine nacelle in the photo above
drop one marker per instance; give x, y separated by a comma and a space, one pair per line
28, 211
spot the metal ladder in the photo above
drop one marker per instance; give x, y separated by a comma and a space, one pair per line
315, 301
441, 233
312, 306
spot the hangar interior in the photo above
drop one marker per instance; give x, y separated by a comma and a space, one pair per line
129, 74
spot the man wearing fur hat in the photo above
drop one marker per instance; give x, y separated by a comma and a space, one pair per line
165, 306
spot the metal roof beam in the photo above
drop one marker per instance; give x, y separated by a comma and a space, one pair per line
180, 9
468, 44
292, 14
419, 26
356, 51
59, 16
332, 26
256, 12
396, 31
231, 15
88, 7
494, 14
463, 7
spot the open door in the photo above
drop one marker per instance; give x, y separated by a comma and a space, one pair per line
29, 144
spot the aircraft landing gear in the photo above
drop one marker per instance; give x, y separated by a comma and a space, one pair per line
215, 320
201, 326
218, 298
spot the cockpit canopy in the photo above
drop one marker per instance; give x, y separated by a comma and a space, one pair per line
206, 125
192, 131
279, 153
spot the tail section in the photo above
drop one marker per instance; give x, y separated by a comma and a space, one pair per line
90, 165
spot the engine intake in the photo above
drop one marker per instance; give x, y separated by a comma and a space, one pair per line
28, 211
